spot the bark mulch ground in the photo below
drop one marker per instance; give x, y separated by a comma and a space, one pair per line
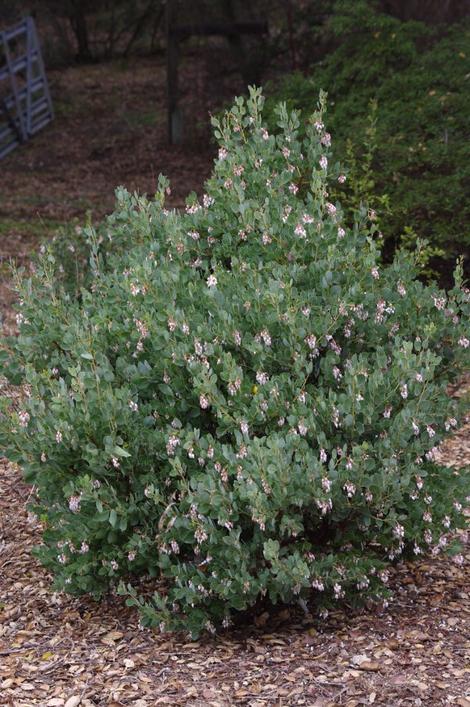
57, 651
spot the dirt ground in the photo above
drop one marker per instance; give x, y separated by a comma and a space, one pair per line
57, 651
110, 129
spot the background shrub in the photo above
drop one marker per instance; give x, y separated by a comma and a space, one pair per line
241, 403
419, 78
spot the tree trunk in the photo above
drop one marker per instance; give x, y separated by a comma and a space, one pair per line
79, 25
175, 119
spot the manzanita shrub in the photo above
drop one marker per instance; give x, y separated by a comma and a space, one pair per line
243, 403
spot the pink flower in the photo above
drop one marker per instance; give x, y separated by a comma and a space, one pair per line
401, 289
74, 503
337, 373
23, 418
311, 341
266, 337
242, 452
234, 387
451, 422
338, 591
204, 402
398, 531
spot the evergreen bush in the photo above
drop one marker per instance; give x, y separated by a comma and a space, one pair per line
242, 403
418, 76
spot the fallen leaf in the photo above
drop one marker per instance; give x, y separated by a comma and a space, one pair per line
208, 693
358, 659
111, 637
73, 701
363, 662
420, 685
419, 636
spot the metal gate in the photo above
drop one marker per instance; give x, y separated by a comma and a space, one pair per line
25, 102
